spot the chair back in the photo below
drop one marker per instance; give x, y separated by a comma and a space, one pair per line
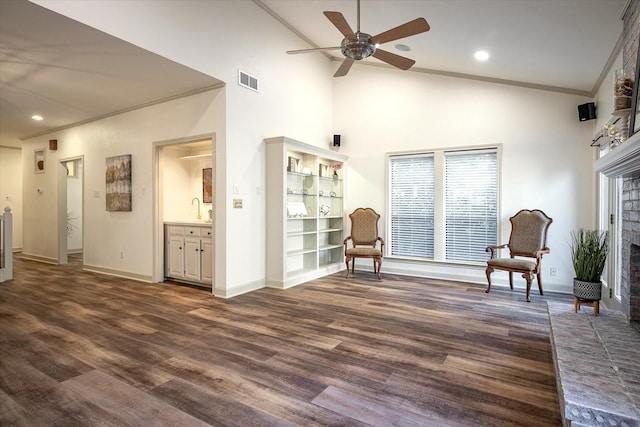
364, 226
528, 232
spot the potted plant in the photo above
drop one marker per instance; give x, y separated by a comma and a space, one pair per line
589, 250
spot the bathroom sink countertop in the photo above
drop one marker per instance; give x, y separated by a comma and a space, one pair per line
197, 222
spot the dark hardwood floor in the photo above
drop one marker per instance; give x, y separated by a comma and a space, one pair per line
83, 349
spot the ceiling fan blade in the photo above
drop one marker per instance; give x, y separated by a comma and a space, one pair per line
316, 49
341, 24
344, 67
393, 59
417, 26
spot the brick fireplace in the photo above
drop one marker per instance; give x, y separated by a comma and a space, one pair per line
596, 358
624, 161
630, 281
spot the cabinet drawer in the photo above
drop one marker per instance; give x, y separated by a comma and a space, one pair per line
192, 231
175, 230
206, 233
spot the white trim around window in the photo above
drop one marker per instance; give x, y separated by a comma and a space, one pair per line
427, 196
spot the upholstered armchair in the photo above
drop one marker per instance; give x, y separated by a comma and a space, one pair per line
364, 239
528, 240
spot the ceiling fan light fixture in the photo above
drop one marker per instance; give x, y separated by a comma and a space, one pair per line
358, 49
37, 117
357, 45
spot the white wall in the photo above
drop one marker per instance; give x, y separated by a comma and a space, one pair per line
218, 38
107, 234
546, 157
547, 161
11, 189
604, 96
182, 181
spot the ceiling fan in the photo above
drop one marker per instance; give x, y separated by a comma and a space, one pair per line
359, 45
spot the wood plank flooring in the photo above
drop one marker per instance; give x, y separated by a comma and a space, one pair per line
83, 349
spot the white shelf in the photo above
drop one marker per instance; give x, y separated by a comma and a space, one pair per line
301, 233
297, 252
329, 247
329, 230
622, 161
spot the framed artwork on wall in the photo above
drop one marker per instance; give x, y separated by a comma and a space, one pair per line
118, 181
207, 187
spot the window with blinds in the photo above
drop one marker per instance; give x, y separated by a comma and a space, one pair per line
412, 195
471, 202
444, 204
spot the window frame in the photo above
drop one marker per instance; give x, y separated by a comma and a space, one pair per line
439, 208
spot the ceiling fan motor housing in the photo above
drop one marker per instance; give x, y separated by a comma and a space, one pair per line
358, 49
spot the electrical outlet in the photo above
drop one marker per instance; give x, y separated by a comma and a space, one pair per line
553, 271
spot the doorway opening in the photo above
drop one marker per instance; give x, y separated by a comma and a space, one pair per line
185, 171
71, 209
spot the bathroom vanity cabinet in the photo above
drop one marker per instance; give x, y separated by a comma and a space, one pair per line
189, 252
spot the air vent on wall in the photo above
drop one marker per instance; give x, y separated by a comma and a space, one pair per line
247, 80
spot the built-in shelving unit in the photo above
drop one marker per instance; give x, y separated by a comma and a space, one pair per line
305, 212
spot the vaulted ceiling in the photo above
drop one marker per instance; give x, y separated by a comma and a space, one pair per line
70, 73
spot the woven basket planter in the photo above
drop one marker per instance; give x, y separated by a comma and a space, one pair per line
589, 291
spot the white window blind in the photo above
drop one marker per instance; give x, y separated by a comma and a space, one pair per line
412, 202
471, 202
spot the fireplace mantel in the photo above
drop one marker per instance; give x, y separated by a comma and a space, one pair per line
623, 161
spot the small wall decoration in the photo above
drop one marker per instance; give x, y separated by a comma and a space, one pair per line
323, 170
207, 187
38, 160
118, 180
292, 164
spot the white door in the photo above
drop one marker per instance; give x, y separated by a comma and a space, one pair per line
192, 258
206, 260
175, 257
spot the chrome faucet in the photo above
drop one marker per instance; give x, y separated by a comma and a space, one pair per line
198, 200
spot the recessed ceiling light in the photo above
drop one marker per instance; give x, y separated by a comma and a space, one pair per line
37, 117
481, 55
403, 47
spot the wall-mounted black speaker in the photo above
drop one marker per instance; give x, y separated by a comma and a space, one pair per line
587, 111
336, 140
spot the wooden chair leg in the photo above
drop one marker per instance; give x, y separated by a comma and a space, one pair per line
529, 278
511, 280
377, 261
539, 283
346, 261
488, 273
